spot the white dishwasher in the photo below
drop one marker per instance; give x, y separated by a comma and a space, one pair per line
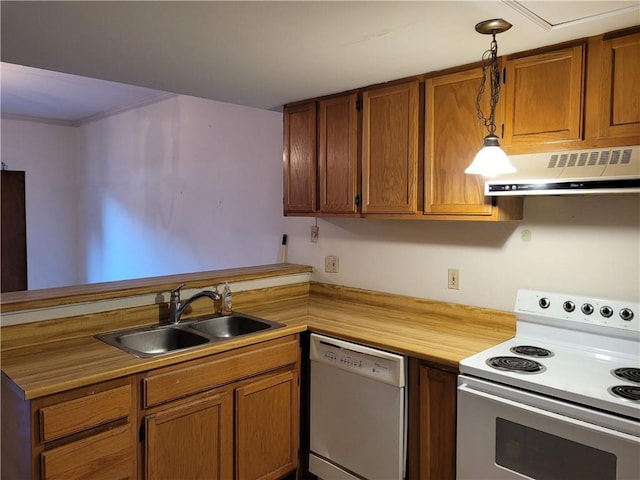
357, 411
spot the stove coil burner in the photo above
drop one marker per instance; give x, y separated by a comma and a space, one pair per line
630, 392
628, 373
532, 351
515, 364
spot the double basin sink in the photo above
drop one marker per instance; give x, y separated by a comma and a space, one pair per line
159, 340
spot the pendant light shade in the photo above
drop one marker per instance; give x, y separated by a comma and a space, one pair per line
491, 159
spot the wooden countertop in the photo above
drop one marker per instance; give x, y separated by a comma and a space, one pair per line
434, 331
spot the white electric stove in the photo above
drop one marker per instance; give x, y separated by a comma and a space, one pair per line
567, 384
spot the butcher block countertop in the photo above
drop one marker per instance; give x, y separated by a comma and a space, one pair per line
437, 332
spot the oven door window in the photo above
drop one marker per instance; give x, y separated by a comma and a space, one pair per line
543, 456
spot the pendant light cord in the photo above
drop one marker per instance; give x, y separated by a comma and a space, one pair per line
490, 67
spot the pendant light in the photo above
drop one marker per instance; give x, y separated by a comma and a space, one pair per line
491, 159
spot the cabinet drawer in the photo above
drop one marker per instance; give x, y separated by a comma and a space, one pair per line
163, 386
107, 455
86, 412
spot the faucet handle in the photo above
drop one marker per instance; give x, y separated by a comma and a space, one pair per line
175, 293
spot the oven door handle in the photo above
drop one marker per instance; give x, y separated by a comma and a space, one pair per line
539, 411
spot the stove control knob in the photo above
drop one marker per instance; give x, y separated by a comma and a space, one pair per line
569, 306
626, 314
544, 302
587, 308
606, 311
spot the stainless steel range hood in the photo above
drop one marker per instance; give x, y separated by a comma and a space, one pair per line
578, 172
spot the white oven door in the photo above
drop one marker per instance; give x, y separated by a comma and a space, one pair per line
504, 433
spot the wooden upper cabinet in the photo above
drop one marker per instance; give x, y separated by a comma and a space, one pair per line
390, 127
619, 89
338, 154
544, 97
453, 136
299, 158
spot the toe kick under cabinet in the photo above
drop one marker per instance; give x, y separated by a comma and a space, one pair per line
230, 415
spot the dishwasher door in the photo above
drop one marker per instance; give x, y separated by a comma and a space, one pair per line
357, 411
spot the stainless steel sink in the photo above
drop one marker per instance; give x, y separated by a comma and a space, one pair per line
153, 341
232, 325
160, 340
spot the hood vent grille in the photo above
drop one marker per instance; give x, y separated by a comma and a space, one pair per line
590, 158
609, 170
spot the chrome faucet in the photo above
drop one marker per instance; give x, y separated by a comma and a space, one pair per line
176, 307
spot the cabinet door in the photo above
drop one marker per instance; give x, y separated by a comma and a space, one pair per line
437, 424
193, 440
619, 113
544, 99
338, 159
453, 137
390, 149
299, 158
267, 412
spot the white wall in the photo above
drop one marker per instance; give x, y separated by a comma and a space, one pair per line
48, 155
182, 185
578, 244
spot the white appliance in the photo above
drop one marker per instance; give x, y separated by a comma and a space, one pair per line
601, 170
357, 411
560, 400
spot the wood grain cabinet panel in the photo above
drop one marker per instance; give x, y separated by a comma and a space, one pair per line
453, 136
84, 433
437, 424
544, 97
107, 455
171, 383
390, 124
267, 427
338, 154
191, 441
300, 158
619, 102
82, 413
234, 415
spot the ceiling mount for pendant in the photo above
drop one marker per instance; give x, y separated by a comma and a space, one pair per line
493, 27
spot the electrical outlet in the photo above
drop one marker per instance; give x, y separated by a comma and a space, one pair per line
453, 279
315, 231
331, 264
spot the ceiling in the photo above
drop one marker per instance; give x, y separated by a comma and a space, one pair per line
261, 54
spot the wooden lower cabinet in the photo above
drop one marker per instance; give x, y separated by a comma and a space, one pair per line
233, 415
266, 419
105, 455
85, 433
192, 440
432, 420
